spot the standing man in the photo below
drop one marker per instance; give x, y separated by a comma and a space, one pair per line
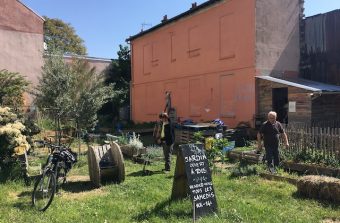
270, 131
167, 139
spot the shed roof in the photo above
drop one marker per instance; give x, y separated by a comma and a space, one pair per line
182, 15
303, 84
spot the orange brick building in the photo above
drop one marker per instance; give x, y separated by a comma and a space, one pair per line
209, 56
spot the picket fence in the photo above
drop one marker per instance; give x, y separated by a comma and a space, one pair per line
310, 139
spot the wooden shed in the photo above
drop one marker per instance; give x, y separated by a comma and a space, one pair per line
297, 100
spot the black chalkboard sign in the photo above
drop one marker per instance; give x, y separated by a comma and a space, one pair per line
198, 177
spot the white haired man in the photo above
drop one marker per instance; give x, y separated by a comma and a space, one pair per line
270, 132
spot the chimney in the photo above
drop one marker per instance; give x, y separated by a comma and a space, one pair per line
193, 5
165, 18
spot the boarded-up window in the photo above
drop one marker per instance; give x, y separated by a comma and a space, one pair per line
147, 58
172, 45
194, 97
227, 37
194, 42
227, 88
155, 54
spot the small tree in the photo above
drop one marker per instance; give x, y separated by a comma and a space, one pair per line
72, 90
62, 36
119, 73
52, 91
12, 87
89, 93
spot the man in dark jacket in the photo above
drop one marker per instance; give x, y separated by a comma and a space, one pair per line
270, 132
167, 138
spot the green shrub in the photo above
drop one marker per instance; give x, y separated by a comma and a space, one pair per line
243, 169
315, 157
47, 124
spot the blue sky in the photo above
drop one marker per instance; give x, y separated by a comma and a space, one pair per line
104, 24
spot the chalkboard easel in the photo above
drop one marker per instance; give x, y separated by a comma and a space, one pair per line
193, 177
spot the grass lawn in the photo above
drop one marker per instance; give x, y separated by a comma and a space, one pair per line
146, 199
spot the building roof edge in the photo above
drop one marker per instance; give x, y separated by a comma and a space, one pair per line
182, 15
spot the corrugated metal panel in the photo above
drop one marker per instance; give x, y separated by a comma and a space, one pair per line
315, 35
304, 84
320, 52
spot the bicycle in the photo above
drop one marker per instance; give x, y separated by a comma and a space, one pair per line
59, 162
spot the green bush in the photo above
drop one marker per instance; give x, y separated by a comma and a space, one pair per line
315, 157
10, 171
243, 169
12, 87
213, 147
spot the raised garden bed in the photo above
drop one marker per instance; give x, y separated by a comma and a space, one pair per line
311, 169
130, 152
249, 156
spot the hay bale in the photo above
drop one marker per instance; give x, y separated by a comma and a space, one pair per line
320, 187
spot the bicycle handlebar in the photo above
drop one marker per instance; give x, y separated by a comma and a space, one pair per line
52, 146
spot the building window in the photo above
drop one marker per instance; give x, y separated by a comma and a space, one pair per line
172, 47
194, 42
147, 59
227, 37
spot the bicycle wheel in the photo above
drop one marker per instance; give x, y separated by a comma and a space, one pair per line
61, 178
43, 192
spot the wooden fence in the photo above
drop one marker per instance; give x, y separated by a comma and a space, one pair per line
322, 140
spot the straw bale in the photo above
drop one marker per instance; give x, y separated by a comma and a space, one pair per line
320, 187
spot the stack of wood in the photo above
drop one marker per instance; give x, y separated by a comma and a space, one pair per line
183, 136
320, 187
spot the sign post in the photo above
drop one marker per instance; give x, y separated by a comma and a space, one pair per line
193, 176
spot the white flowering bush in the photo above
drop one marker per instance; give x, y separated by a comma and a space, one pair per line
12, 140
6, 116
135, 142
